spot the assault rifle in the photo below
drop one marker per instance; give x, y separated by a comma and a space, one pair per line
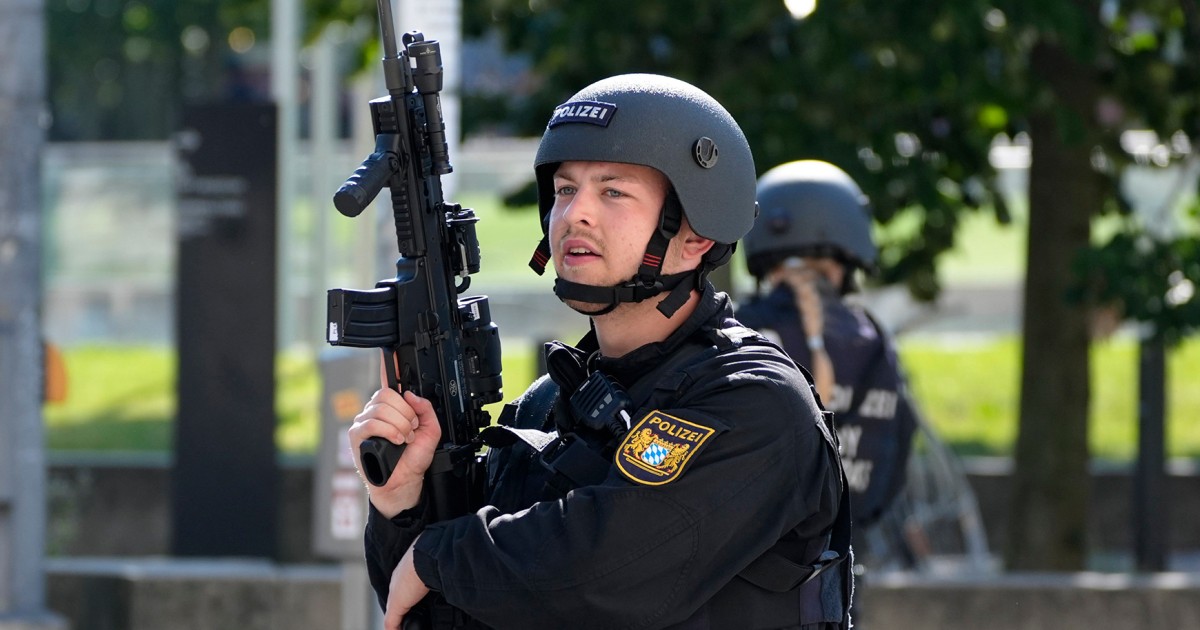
446, 346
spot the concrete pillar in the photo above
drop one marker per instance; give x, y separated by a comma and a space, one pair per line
22, 458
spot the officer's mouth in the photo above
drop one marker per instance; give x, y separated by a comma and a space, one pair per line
579, 252
580, 257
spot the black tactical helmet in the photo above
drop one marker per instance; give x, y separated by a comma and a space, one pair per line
809, 208
668, 125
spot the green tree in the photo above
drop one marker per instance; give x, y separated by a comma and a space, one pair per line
908, 98
121, 70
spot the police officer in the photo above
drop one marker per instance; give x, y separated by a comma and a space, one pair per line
805, 250
674, 470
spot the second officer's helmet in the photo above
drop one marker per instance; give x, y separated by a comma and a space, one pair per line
809, 208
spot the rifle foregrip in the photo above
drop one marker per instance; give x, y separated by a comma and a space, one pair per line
379, 458
364, 185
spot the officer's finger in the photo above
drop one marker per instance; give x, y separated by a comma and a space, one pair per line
426, 426
383, 377
373, 427
387, 415
392, 619
405, 590
425, 438
388, 403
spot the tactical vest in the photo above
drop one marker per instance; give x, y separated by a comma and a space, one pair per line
567, 461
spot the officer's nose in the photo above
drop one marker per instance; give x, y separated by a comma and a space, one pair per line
580, 208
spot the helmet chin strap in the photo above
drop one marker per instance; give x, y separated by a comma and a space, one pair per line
629, 291
649, 280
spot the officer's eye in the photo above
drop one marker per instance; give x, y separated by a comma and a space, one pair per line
564, 190
614, 193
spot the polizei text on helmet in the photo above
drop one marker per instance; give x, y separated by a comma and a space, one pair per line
590, 112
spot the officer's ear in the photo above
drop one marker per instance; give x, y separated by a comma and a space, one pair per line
692, 246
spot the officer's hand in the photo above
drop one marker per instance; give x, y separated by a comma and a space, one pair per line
401, 419
404, 591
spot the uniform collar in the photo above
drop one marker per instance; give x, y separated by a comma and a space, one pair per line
712, 311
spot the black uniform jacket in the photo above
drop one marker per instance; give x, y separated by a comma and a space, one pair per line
874, 414
659, 542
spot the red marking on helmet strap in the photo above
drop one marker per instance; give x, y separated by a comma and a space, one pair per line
538, 261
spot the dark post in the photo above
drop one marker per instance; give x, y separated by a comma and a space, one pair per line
225, 478
1149, 490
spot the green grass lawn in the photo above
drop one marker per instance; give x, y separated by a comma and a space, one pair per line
507, 238
969, 393
122, 398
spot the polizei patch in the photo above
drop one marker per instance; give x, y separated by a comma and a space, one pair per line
656, 450
590, 112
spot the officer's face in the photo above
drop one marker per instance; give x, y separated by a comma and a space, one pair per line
602, 219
